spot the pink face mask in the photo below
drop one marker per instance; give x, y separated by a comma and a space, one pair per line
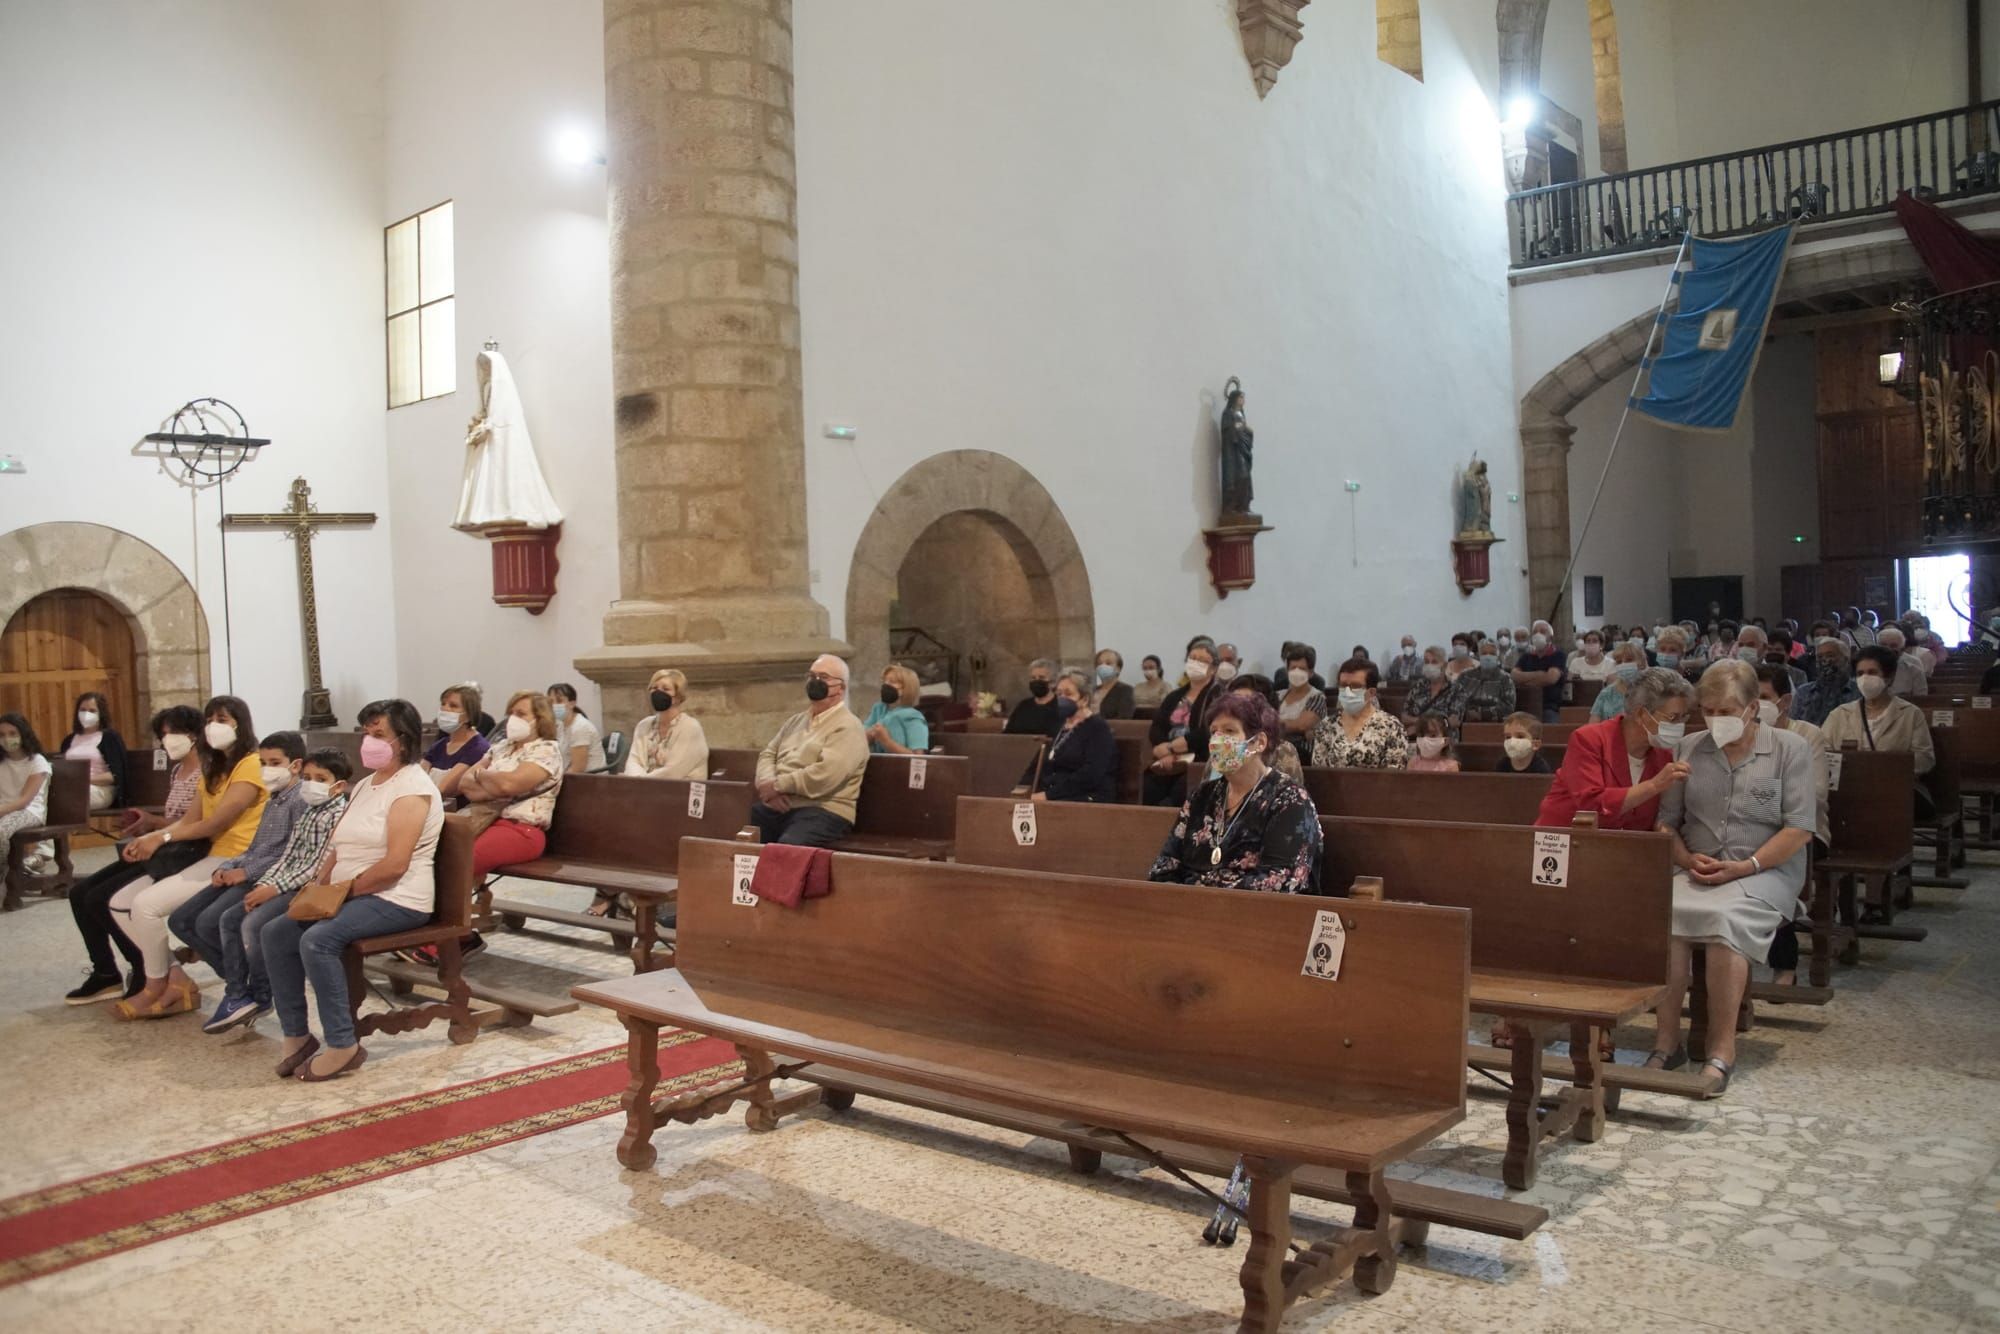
375, 752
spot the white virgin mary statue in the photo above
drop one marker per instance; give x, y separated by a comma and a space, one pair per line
504, 487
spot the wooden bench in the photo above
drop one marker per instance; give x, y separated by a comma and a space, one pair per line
622, 836
66, 813
1979, 769
1483, 757
451, 918
1871, 817
149, 777
1575, 959
1944, 832
892, 818
1393, 794
997, 764
1141, 1011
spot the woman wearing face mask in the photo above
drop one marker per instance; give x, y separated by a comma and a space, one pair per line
1109, 696
518, 781
1082, 761
576, 735
1432, 692
1880, 719
24, 779
669, 741
1741, 825
1627, 661
894, 725
1621, 767
1179, 734
174, 730
1248, 828
1361, 736
1592, 664
460, 744
231, 803
92, 739
1152, 688
384, 851
1301, 705
1406, 665
1486, 693
1670, 649
1433, 752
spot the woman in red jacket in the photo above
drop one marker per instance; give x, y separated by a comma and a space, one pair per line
1621, 767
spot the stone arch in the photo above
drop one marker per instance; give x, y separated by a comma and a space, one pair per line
1399, 36
1545, 409
997, 489
1610, 87
169, 628
1521, 23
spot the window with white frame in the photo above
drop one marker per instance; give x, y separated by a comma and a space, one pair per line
422, 321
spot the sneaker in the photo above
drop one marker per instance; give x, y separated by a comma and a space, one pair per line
38, 863
97, 987
426, 956
232, 1011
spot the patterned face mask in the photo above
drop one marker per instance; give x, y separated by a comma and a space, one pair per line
1226, 754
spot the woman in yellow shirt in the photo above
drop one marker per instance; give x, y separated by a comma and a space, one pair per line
225, 819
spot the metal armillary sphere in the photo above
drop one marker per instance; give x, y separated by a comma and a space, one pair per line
206, 442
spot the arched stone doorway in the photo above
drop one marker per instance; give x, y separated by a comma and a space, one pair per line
981, 521
1546, 431
59, 645
169, 630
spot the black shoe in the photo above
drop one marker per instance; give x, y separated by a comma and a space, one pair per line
471, 945
134, 984
97, 987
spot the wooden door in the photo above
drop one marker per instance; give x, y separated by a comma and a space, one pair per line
59, 645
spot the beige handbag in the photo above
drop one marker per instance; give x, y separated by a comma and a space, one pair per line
316, 903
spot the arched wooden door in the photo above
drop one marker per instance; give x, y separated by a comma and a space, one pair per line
59, 645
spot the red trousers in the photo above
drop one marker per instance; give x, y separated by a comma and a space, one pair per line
504, 843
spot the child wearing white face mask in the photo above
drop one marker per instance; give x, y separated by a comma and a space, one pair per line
1521, 746
1433, 752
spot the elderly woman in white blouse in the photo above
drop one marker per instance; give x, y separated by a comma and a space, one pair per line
668, 742
1741, 823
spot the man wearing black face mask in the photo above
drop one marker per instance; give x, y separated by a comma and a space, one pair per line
1036, 715
809, 776
1831, 687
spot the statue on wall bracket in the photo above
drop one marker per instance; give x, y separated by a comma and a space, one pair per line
1470, 562
1232, 556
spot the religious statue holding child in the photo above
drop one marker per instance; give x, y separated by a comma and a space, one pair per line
1475, 501
1237, 439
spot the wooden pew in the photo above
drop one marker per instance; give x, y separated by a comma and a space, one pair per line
892, 818
1586, 956
1979, 770
1944, 832
1147, 1013
1871, 817
622, 835
1483, 757
1491, 734
1575, 959
1390, 794
997, 764
1134, 754
1581, 694
451, 918
66, 812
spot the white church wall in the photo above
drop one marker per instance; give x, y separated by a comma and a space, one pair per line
192, 208
479, 92
1639, 518
1784, 466
1058, 242
1568, 77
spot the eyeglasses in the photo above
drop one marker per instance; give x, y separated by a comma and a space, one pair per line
824, 679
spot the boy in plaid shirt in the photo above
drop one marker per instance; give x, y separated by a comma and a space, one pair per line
246, 986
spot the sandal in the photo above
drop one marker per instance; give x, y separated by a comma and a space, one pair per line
1501, 1037
601, 906
1726, 1070
353, 1064
175, 1000
290, 1065
1668, 1060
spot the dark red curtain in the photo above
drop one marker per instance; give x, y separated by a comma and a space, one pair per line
1957, 258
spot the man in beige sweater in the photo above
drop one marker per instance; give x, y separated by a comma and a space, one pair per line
809, 776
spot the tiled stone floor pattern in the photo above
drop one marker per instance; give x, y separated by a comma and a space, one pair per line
1850, 1181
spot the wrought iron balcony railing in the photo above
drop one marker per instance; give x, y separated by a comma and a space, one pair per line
1946, 155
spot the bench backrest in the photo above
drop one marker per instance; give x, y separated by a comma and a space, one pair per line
998, 763
1391, 794
1553, 734
1947, 742
891, 807
1199, 985
1871, 811
1978, 739
733, 766
640, 822
1581, 693
69, 793
1612, 919
1141, 728
451, 868
149, 774
1072, 838
1134, 754
1483, 757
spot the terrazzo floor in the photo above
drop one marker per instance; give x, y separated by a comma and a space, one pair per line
1849, 1181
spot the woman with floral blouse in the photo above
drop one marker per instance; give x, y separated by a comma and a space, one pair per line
1248, 828
1360, 735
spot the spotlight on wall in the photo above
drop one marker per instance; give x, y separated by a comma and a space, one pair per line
1889, 368
578, 148
1520, 112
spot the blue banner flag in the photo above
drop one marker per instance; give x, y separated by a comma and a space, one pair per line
1715, 331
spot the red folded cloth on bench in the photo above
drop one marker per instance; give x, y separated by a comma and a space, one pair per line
787, 874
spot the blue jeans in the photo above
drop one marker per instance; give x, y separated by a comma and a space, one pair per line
806, 826
198, 922
243, 947
295, 951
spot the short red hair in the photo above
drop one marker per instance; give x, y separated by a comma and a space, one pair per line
1253, 712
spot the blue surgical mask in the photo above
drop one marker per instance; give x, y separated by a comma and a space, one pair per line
1670, 660
561, 711
1065, 707
1353, 699
1490, 661
1628, 672
1105, 671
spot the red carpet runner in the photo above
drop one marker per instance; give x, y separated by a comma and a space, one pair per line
65, 1225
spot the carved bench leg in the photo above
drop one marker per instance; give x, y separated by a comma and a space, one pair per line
458, 995
1269, 1215
642, 933
1376, 1270
1084, 1162
1588, 1089
766, 1108
1524, 1113
642, 1064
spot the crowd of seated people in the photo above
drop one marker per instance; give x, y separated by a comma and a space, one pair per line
250, 821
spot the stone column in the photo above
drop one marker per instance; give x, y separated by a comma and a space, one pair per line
1545, 488
705, 364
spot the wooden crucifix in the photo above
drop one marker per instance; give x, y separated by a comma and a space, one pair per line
302, 519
